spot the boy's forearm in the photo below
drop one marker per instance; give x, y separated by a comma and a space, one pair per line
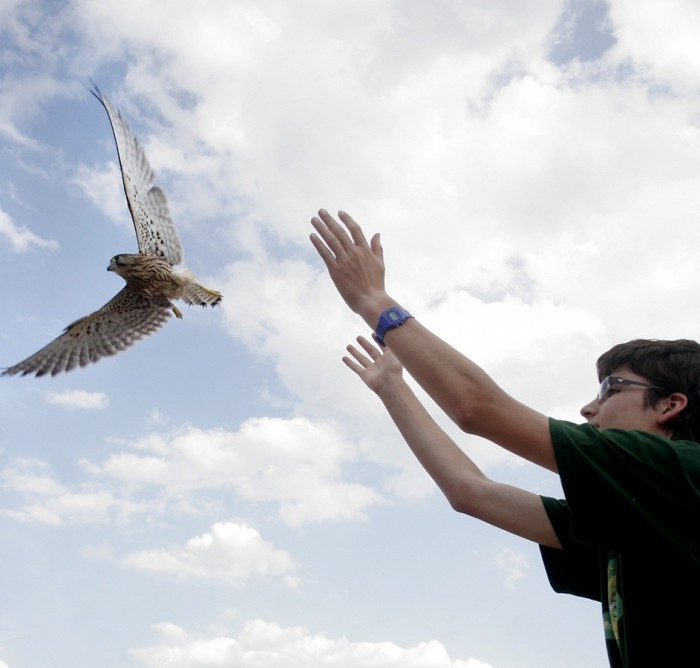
444, 461
467, 489
454, 382
469, 396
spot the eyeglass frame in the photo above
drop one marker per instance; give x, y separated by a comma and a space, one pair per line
617, 380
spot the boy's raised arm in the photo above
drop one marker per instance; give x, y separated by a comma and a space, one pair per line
467, 489
460, 387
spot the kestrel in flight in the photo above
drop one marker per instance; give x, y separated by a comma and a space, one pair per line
143, 305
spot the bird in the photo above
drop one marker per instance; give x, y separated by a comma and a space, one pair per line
152, 276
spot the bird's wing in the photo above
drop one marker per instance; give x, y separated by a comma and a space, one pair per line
155, 230
122, 321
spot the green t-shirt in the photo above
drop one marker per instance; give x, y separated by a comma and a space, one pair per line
630, 531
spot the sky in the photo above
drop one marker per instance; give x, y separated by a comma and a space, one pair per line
226, 493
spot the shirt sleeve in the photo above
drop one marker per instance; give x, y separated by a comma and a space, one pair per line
627, 488
574, 568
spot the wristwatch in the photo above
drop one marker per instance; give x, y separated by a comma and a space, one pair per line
391, 318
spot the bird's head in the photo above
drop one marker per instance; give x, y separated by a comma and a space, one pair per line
119, 263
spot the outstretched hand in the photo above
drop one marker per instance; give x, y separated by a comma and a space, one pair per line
378, 368
355, 266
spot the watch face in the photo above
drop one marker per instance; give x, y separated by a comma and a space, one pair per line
392, 317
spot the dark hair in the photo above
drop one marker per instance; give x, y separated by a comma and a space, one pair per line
674, 365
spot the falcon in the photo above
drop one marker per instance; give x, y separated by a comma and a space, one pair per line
152, 281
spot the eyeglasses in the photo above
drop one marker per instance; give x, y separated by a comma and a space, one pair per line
608, 381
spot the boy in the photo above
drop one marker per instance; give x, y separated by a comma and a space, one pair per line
627, 534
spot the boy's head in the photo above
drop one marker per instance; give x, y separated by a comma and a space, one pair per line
674, 365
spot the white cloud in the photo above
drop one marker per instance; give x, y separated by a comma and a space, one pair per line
21, 238
659, 38
404, 74
270, 645
31, 476
45, 500
24, 95
296, 323
229, 552
103, 187
294, 463
78, 399
80, 507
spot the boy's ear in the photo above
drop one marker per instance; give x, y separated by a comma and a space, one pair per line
671, 407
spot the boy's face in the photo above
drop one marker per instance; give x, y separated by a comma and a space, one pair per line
623, 407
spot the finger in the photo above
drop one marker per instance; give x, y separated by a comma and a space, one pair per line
377, 248
356, 232
364, 361
323, 251
369, 347
336, 229
354, 366
329, 237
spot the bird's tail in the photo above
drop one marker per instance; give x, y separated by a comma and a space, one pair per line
193, 292
196, 294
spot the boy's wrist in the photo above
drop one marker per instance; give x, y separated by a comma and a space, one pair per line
374, 306
391, 318
392, 387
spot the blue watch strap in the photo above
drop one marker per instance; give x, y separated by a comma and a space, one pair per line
391, 318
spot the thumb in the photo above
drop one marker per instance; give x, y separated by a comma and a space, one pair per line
376, 246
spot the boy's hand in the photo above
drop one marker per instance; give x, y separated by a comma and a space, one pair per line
378, 368
355, 265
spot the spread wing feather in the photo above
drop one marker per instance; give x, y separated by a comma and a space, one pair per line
122, 321
155, 230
